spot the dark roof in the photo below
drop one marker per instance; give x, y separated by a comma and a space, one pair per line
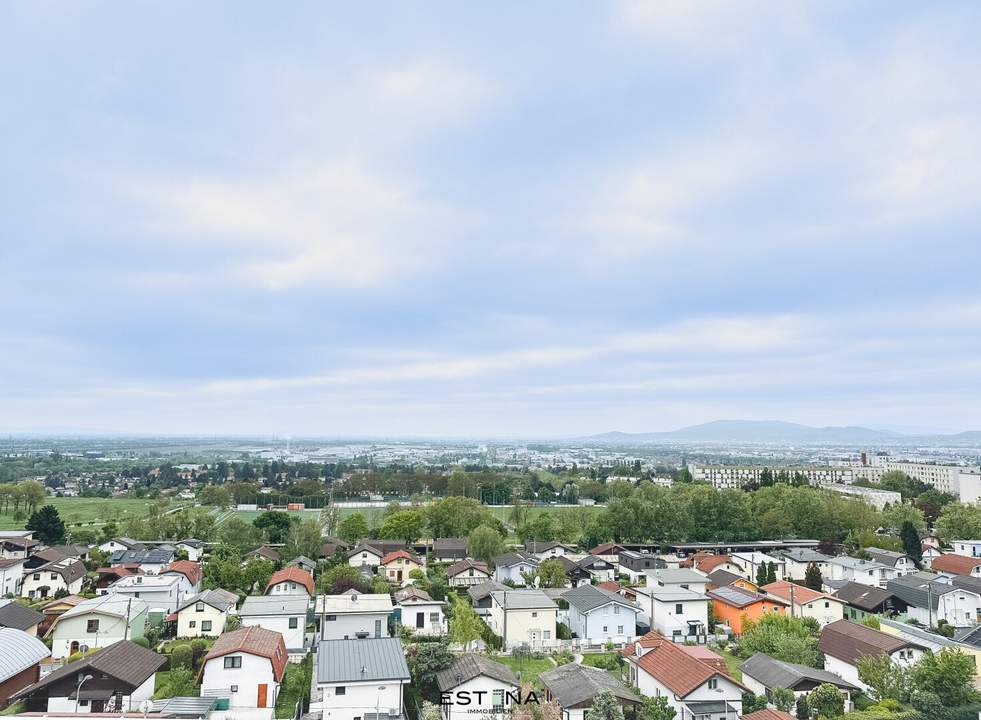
482, 590
216, 598
966, 582
886, 557
467, 667
156, 556
608, 548
538, 546
264, 551
361, 660
450, 544
364, 547
510, 559
776, 673
589, 597
572, 685
464, 565
71, 569
739, 597
969, 636
17, 616
919, 589
849, 641
125, 661
862, 596
723, 577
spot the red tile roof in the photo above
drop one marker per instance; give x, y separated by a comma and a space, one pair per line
190, 570
957, 564
254, 640
700, 652
709, 563
609, 548
464, 565
292, 574
782, 588
769, 714
611, 586
674, 668
396, 554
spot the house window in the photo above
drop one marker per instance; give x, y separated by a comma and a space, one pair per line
193, 623
679, 609
92, 626
234, 688
330, 618
604, 628
547, 635
619, 629
83, 703
233, 662
205, 626
37, 576
616, 609
199, 607
676, 633
340, 690
713, 684
534, 614
54, 576
378, 628
293, 623
434, 618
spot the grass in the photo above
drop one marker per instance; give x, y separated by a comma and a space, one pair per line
84, 511
732, 662
528, 668
609, 661
295, 685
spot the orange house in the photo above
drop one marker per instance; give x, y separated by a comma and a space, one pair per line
734, 605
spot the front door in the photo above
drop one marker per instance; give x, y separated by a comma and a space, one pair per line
420, 619
261, 700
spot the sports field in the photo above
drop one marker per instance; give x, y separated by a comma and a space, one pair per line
84, 511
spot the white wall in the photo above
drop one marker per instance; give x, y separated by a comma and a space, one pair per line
288, 587
482, 704
11, 579
617, 620
666, 619
348, 625
217, 681
130, 702
513, 573
358, 699
293, 637
189, 614
430, 625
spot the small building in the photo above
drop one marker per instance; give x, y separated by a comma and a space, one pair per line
117, 678
844, 642
420, 612
192, 547
679, 614
354, 615
751, 562
16, 548
523, 617
121, 543
205, 614
63, 576
304, 563
574, 688
599, 569
480, 595
798, 560
397, 565
609, 551
636, 565
106, 576
263, 552
150, 561
967, 548
677, 579
480, 682
363, 679
99, 622
20, 662
466, 573
11, 576
600, 615
160, 592
290, 581
331, 547
763, 674
709, 562
733, 606
513, 567
929, 601
449, 549
363, 555
866, 572
286, 614
545, 549
899, 561
19, 617
245, 667
55, 608
189, 573
805, 602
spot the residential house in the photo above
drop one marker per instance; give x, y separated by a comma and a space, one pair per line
263, 552
574, 687
696, 690
290, 581
609, 551
64, 576
304, 563
967, 548
798, 560
121, 543
363, 555
11, 576
466, 573
721, 578
864, 600
396, 566
635, 565
600, 569
480, 595
354, 615
675, 613
54, 609
106, 576
733, 606
763, 675
20, 662
483, 684
16, 548
677, 579
363, 679
523, 617
114, 679
953, 564
286, 614
600, 615
805, 602
575, 574
750, 563
99, 622
189, 574
709, 562
866, 572
150, 561
613, 586
246, 667
449, 549
331, 546
928, 554
37, 558
192, 547
420, 612
901, 562
934, 642
928, 601
19, 617
844, 642
205, 614
160, 592
545, 549
513, 566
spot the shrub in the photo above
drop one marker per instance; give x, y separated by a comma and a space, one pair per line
181, 656
142, 642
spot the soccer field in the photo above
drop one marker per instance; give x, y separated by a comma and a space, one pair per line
84, 511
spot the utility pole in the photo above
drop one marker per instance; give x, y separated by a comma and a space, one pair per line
929, 605
791, 600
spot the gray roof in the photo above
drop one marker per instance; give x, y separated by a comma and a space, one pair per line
359, 660
886, 557
723, 577
969, 636
156, 556
481, 590
861, 596
572, 684
738, 596
522, 599
803, 555
275, 605
216, 598
467, 667
919, 589
17, 616
185, 707
928, 639
511, 559
677, 576
776, 673
20, 651
589, 597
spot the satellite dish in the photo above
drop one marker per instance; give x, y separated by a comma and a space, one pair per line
83, 648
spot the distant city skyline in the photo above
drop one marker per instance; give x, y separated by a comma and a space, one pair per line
476, 221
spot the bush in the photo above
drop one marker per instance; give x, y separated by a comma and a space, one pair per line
562, 631
181, 656
141, 641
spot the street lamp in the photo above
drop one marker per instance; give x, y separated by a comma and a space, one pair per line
78, 689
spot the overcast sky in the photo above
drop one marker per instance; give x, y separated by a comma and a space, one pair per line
499, 219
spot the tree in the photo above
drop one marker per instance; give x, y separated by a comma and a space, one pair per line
465, 625
276, 525
215, 495
958, 520
404, 525
790, 639
802, 711
911, 542
656, 708
813, 578
353, 528
761, 574
551, 574
342, 578
886, 680
826, 700
771, 572
304, 538
605, 707
256, 574
753, 702
783, 698
47, 525
179, 683
485, 544
949, 674
425, 660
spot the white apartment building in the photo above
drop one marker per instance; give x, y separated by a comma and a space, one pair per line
963, 482
736, 476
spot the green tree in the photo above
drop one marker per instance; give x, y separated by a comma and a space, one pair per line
886, 680
179, 683
911, 542
485, 544
656, 708
404, 525
47, 525
791, 639
761, 574
898, 514
275, 525
342, 578
783, 699
425, 660
256, 574
551, 574
826, 700
215, 495
465, 625
949, 674
958, 520
802, 710
753, 702
813, 578
304, 538
605, 707
353, 528
771, 572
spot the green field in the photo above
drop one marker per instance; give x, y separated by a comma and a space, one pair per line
84, 511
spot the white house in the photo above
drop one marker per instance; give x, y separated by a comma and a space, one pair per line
510, 566
545, 549
121, 543
750, 562
600, 615
11, 576
150, 561
364, 556
160, 592
205, 614
476, 684
928, 600
679, 614
359, 679
968, 548
695, 689
98, 622
290, 581
865, 572
763, 675
188, 573
353, 615
466, 573
193, 547
900, 562
523, 617
61, 576
420, 612
807, 602
286, 614
574, 688
797, 560
844, 642
677, 579
246, 667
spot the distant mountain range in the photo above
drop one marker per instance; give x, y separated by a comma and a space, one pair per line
777, 432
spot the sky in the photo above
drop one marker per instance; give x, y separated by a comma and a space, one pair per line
488, 219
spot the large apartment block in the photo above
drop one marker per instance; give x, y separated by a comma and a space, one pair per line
736, 476
962, 482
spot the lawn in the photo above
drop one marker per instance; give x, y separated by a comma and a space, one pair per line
732, 662
527, 668
608, 661
296, 684
84, 511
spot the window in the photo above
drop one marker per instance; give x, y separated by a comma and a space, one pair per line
616, 609
199, 607
193, 623
234, 688
92, 626
679, 609
534, 614
205, 626
827, 604
378, 628
619, 629
54, 576
498, 696
233, 661
676, 633
713, 684
604, 628
330, 618
340, 690
434, 618
83, 703
294, 623
547, 635
37, 576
